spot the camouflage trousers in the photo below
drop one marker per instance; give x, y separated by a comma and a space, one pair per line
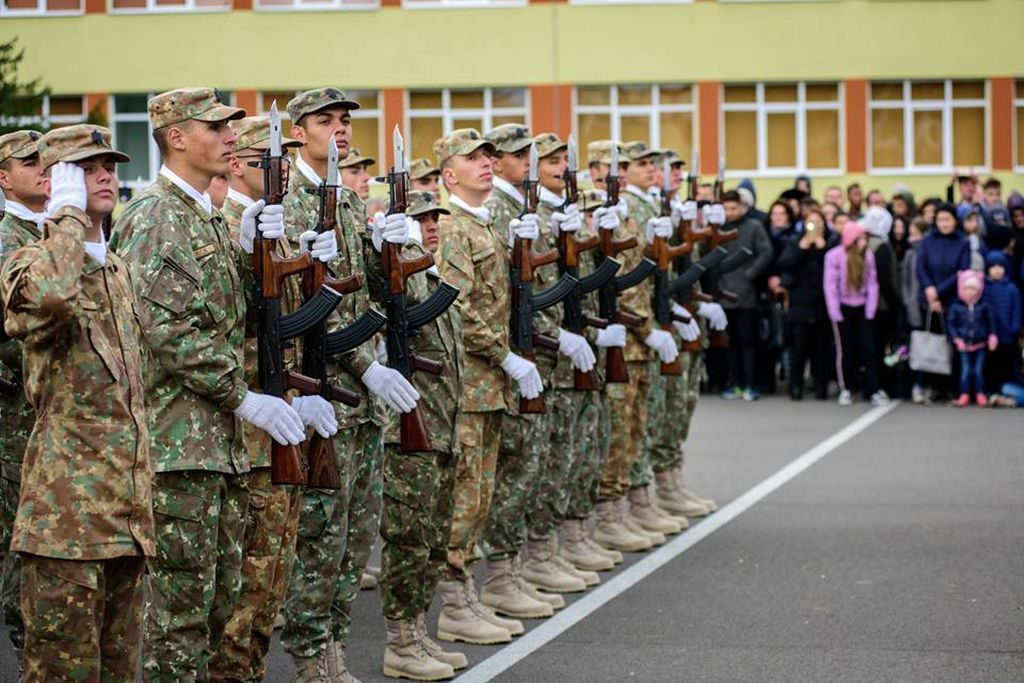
10, 564
591, 452
196, 576
480, 440
666, 405
336, 534
415, 525
82, 618
628, 424
693, 377
524, 439
270, 529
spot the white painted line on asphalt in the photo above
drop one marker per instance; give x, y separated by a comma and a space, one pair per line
508, 656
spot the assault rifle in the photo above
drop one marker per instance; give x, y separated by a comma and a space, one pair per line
524, 302
403, 320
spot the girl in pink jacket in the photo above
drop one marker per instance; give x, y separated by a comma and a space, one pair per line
851, 297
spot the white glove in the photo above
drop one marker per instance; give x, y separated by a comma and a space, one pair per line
683, 211
320, 245
415, 231
525, 374
568, 221
607, 218
714, 214
382, 352
67, 187
390, 385
623, 209
526, 228
318, 413
270, 222
390, 228
714, 314
577, 349
662, 342
274, 416
613, 335
689, 331
660, 226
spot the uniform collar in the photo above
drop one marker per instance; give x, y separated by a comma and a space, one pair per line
633, 189
21, 211
239, 198
481, 213
200, 198
550, 198
309, 174
509, 189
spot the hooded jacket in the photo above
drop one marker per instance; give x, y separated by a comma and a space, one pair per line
837, 292
878, 223
969, 317
1003, 297
939, 259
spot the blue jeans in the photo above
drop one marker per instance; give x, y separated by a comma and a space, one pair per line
972, 366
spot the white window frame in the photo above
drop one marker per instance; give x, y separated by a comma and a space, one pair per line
40, 10
631, 2
462, 4
447, 114
153, 8
1018, 103
799, 109
328, 6
135, 117
909, 106
45, 119
653, 111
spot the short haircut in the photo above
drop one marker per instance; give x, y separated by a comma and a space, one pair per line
731, 196
852, 186
160, 136
992, 183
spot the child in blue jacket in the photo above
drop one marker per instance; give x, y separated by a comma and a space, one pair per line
1003, 297
971, 325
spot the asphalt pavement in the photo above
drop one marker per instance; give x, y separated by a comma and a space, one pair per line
898, 556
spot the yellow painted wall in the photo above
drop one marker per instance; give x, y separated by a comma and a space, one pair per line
555, 43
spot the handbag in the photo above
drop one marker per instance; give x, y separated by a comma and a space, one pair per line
930, 351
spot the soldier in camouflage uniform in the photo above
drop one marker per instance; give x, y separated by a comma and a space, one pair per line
424, 176
523, 437
23, 182
84, 525
418, 487
190, 278
355, 173
337, 528
475, 259
272, 517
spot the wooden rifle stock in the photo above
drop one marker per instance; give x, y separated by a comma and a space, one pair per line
570, 248
525, 260
663, 255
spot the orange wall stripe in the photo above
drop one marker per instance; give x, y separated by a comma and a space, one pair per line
247, 100
1002, 123
394, 115
709, 98
551, 109
97, 99
856, 114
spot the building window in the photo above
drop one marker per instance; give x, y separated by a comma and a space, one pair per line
367, 121
433, 113
55, 111
292, 5
928, 126
21, 8
662, 115
1018, 109
782, 128
435, 4
133, 6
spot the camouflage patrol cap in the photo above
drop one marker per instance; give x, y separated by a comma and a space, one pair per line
509, 137
312, 101
20, 144
183, 104
421, 203
600, 152
673, 158
354, 158
422, 168
77, 143
460, 142
254, 133
591, 199
637, 150
549, 143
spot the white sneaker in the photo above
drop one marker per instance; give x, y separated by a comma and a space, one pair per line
918, 395
879, 398
845, 398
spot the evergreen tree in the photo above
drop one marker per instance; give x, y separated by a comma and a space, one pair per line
17, 100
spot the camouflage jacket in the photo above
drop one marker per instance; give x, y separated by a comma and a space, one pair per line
549, 320
564, 375
503, 208
190, 280
637, 300
476, 260
441, 341
16, 415
355, 255
86, 479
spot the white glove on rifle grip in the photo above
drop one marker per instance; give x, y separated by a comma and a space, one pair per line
391, 228
662, 342
525, 374
567, 221
660, 226
606, 218
684, 211
390, 385
67, 187
322, 246
714, 214
577, 349
714, 314
689, 331
613, 335
318, 413
274, 416
526, 228
268, 219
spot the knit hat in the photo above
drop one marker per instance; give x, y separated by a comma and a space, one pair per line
877, 221
995, 258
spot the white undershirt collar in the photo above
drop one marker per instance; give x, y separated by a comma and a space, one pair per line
200, 198
550, 198
640, 193
24, 213
480, 212
236, 196
508, 188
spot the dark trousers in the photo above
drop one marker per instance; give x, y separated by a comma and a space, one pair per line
742, 346
999, 366
972, 369
855, 347
809, 341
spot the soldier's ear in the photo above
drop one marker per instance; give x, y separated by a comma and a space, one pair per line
236, 167
298, 132
176, 139
5, 181
448, 177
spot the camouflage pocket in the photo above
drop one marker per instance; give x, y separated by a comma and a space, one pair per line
183, 537
103, 348
317, 510
172, 289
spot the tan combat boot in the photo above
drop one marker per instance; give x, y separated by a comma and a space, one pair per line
546, 575
513, 626
576, 550
316, 669
588, 578
613, 555
405, 656
336, 667
671, 498
612, 533
458, 620
646, 515
554, 599
501, 592
656, 538
455, 660
708, 503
